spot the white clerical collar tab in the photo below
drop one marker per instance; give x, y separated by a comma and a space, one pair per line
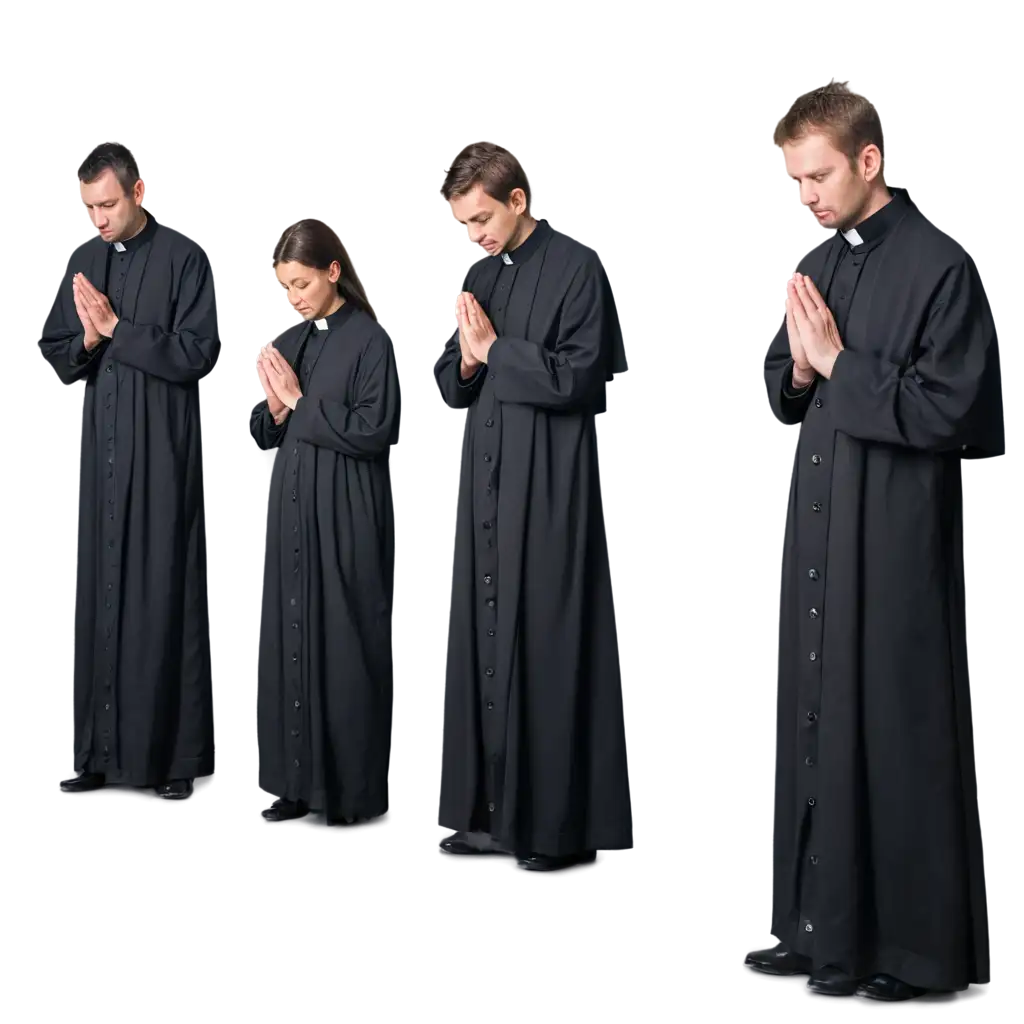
119, 246
853, 237
321, 324
506, 259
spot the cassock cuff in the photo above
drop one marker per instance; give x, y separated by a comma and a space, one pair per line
78, 354
468, 382
298, 414
789, 390
499, 349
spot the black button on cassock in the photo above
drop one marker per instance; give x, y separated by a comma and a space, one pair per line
816, 459
809, 761
813, 573
813, 656
488, 671
818, 403
490, 807
811, 801
490, 705
816, 506
811, 716
487, 580
489, 423
813, 613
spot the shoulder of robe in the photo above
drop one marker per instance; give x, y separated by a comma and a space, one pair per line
942, 251
815, 259
181, 245
572, 253
474, 272
370, 333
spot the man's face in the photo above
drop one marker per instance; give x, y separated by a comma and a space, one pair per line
114, 213
835, 191
491, 224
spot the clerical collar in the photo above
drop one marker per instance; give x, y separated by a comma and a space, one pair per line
521, 253
881, 221
335, 319
133, 243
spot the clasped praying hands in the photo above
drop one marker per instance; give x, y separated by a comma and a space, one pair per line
476, 334
280, 384
814, 340
93, 308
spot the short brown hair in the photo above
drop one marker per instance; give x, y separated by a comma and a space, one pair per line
849, 120
484, 163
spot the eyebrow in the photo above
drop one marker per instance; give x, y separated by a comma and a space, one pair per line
812, 174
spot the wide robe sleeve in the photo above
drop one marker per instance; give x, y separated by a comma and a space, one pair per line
365, 427
265, 432
459, 392
188, 351
574, 370
63, 340
948, 397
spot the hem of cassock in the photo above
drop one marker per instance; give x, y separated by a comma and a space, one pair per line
922, 972
179, 772
334, 812
911, 968
551, 846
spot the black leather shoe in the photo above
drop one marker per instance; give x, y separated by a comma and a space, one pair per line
539, 863
778, 960
286, 810
889, 989
84, 783
470, 843
460, 847
176, 789
830, 981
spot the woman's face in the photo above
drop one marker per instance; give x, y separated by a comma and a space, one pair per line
311, 292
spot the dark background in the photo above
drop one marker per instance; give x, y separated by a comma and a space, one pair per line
196, 913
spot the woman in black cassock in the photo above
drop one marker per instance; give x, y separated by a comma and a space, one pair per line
332, 411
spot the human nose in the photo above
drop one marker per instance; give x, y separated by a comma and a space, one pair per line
808, 194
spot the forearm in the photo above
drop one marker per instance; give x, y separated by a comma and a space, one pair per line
873, 399
457, 389
265, 428
526, 373
181, 357
360, 433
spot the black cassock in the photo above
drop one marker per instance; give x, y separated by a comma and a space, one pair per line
143, 704
878, 858
325, 674
534, 743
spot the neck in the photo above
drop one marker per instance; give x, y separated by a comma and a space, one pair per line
334, 306
522, 233
878, 197
140, 222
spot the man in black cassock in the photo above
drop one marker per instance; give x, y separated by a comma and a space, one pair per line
888, 361
534, 744
135, 319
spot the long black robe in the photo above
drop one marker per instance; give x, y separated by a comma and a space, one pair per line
878, 858
534, 742
143, 703
325, 672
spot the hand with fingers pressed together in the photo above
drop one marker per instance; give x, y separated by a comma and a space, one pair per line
814, 325
95, 304
803, 372
92, 335
277, 408
280, 379
476, 335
